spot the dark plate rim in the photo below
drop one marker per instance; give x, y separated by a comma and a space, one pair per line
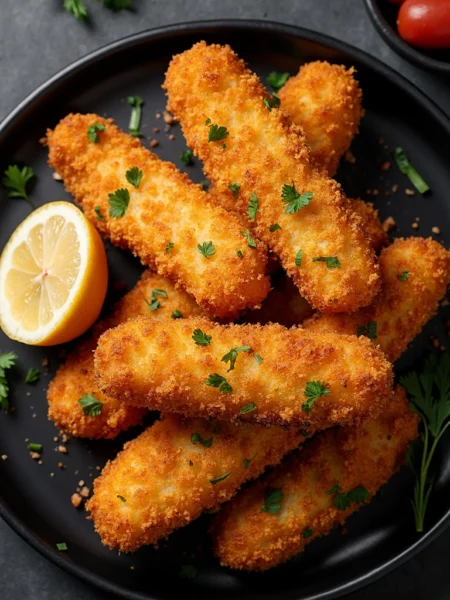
397, 44
6, 512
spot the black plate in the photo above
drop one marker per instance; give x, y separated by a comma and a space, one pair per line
384, 16
36, 505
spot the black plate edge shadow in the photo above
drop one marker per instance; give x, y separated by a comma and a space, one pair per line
199, 27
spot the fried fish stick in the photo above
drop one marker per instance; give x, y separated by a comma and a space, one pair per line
325, 100
209, 88
415, 273
166, 219
174, 471
311, 487
76, 376
160, 366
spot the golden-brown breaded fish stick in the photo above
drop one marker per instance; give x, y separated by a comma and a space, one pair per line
325, 100
415, 274
268, 375
313, 491
76, 376
319, 241
174, 471
163, 218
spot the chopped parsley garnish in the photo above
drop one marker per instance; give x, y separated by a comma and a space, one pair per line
92, 132
313, 391
90, 405
272, 501
32, 376
176, 314
250, 241
186, 157
247, 462
239, 253
77, 8
307, 533
98, 213
369, 330
196, 437
118, 202
403, 276
134, 176
294, 200
201, 338
333, 490
332, 262
207, 249
136, 103
216, 132
204, 183
220, 478
7, 360
258, 359
234, 187
272, 102
277, 80
232, 355
299, 258
252, 208
121, 498
407, 169
35, 447
250, 407
188, 572
343, 500
15, 181
274, 227
429, 394
62, 546
117, 5
154, 303
169, 247
218, 381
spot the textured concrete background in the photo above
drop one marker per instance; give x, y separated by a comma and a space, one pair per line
37, 38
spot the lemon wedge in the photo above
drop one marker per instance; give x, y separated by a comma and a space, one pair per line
53, 276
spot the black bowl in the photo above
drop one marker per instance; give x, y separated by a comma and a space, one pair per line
384, 16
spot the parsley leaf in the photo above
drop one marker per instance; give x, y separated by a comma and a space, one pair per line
154, 303
32, 376
207, 249
250, 240
277, 80
188, 572
15, 181
239, 253
121, 498
186, 157
313, 391
332, 262
62, 546
218, 381
98, 212
76, 7
204, 183
333, 490
7, 360
403, 276
90, 405
250, 407
234, 187
216, 132
258, 359
299, 258
247, 462
200, 338
92, 132
196, 437
356, 496
220, 478
295, 201
134, 176
272, 102
252, 208
407, 169
169, 247
274, 227
136, 103
118, 202
369, 330
176, 314
272, 501
232, 355
307, 533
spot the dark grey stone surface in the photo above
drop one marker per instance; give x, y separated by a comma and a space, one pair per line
37, 38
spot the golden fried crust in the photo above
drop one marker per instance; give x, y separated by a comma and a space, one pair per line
166, 207
402, 308
166, 479
264, 151
158, 365
245, 537
325, 100
76, 377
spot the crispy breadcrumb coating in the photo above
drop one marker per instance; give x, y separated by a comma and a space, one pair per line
246, 537
158, 365
76, 376
325, 100
165, 208
165, 478
264, 152
415, 273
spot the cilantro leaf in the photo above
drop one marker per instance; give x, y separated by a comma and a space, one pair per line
220, 478
196, 437
272, 102
186, 157
250, 240
272, 501
232, 355
313, 391
218, 381
277, 80
216, 132
77, 8
92, 132
332, 262
207, 249
15, 181
234, 187
90, 405
7, 360
32, 375
118, 202
295, 201
134, 176
252, 208
200, 338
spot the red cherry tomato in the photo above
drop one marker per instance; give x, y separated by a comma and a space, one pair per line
425, 23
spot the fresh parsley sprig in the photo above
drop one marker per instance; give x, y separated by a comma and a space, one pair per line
294, 200
32, 375
251, 243
15, 181
252, 208
216, 132
219, 381
277, 80
234, 187
206, 249
7, 360
343, 500
332, 262
272, 102
201, 338
134, 176
232, 355
429, 393
313, 391
118, 203
92, 132
272, 501
90, 405
154, 303
77, 8
187, 157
